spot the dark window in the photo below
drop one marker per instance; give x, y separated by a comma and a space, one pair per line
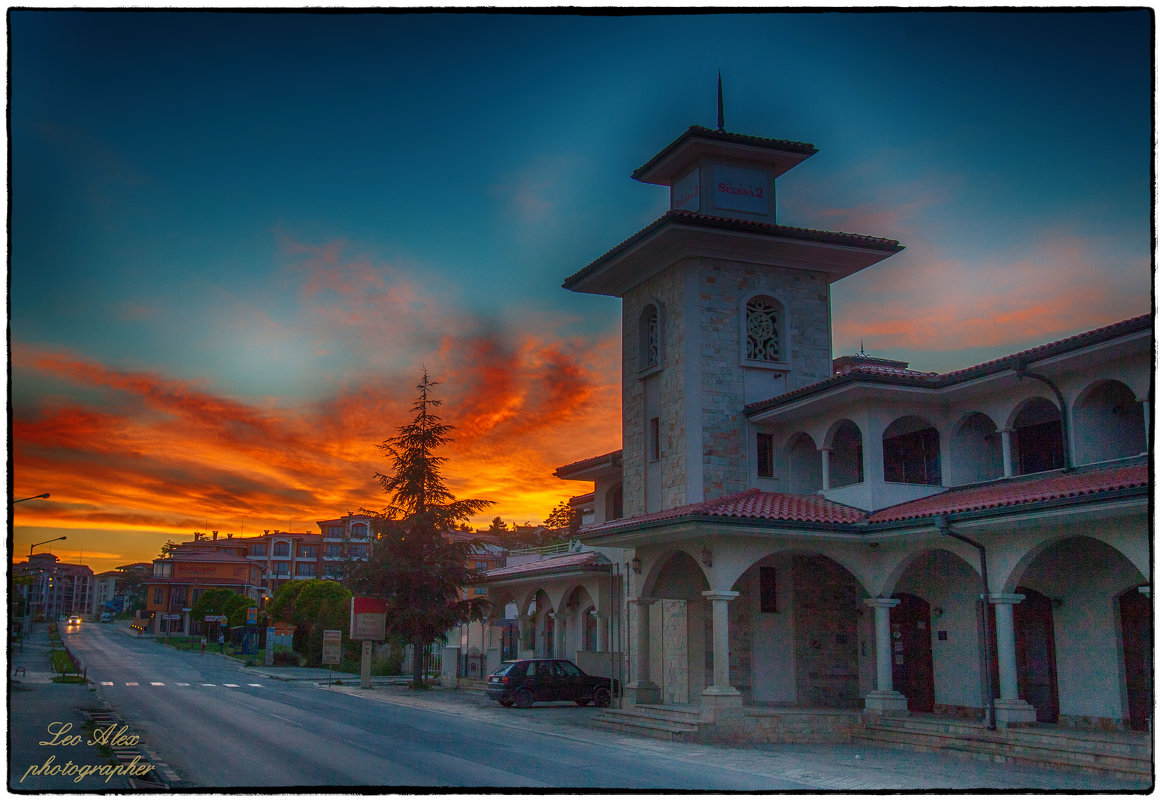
1039, 448
258, 549
768, 597
655, 440
158, 595
306, 550
913, 458
305, 569
282, 549
764, 445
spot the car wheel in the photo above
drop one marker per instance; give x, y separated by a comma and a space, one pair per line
601, 696
523, 699
582, 702
506, 702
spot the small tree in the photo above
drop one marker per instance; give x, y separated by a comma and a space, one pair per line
418, 564
563, 523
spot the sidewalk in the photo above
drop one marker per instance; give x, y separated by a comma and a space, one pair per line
834, 767
38, 709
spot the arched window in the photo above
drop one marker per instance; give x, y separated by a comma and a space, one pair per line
912, 452
613, 503
846, 461
650, 331
1037, 440
1108, 423
763, 330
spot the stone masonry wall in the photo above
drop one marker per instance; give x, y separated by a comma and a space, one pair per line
826, 657
723, 286
666, 290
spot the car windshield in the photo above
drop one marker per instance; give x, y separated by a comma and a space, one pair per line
569, 669
505, 668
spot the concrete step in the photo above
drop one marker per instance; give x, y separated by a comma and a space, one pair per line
692, 715
1121, 743
1010, 747
648, 724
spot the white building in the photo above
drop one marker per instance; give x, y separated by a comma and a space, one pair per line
792, 530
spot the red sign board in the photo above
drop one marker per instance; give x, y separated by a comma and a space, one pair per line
368, 619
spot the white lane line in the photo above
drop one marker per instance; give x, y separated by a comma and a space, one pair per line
229, 685
288, 720
183, 684
253, 685
131, 684
209, 685
158, 683
106, 684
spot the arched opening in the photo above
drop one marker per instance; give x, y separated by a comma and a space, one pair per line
763, 335
845, 462
1037, 441
912, 452
650, 338
613, 502
804, 466
1108, 423
1070, 633
681, 661
912, 651
1137, 656
589, 631
976, 451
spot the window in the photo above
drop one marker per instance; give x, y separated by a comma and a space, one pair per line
481, 565
307, 551
334, 550
764, 448
332, 531
258, 549
912, 452
481, 591
359, 551
650, 330
763, 330
177, 596
281, 568
281, 549
305, 569
359, 531
768, 598
655, 445
159, 595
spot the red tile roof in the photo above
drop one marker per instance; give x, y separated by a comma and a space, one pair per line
1017, 491
802, 148
587, 560
749, 504
779, 507
674, 216
612, 458
911, 378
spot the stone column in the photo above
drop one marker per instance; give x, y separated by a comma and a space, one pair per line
720, 693
884, 699
641, 690
825, 461
1007, 452
1010, 708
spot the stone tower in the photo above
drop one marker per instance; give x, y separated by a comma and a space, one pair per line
721, 306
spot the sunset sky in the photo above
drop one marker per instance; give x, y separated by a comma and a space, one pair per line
236, 238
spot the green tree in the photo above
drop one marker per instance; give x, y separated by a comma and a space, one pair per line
414, 564
562, 523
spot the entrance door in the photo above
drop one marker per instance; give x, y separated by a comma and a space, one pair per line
912, 652
1036, 654
1136, 628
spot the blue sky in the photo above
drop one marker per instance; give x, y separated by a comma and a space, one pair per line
236, 237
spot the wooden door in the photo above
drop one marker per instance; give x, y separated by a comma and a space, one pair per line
912, 652
1137, 625
1036, 654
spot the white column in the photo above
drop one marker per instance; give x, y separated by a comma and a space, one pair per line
1146, 419
1010, 708
825, 461
720, 622
1007, 451
884, 698
641, 690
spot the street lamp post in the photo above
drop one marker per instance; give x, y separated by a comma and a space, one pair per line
32, 498
28, 606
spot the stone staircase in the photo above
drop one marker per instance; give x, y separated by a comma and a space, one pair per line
1120, 754
673, 722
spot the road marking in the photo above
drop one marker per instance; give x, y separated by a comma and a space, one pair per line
229, 685
106, 684
183, 684
253, 685
130, 684
288, 720
209, 685
158, 683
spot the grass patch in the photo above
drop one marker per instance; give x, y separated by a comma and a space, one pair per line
62, 662
69, 680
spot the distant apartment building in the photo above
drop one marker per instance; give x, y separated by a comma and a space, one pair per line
57, 588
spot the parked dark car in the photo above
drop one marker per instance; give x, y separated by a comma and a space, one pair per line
521, 682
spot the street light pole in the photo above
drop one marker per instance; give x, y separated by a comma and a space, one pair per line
28, 606
32, 498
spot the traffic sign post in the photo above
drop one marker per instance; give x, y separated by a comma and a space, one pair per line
368, 623
332, 649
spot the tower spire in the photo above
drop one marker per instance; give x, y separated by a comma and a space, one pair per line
721, 121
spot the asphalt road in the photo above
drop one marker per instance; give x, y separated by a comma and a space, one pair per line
219, 726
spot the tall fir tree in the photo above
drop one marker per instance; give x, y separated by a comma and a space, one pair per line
420, 562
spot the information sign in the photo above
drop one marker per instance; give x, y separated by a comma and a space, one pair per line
332, 646
251, 615
368, 619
